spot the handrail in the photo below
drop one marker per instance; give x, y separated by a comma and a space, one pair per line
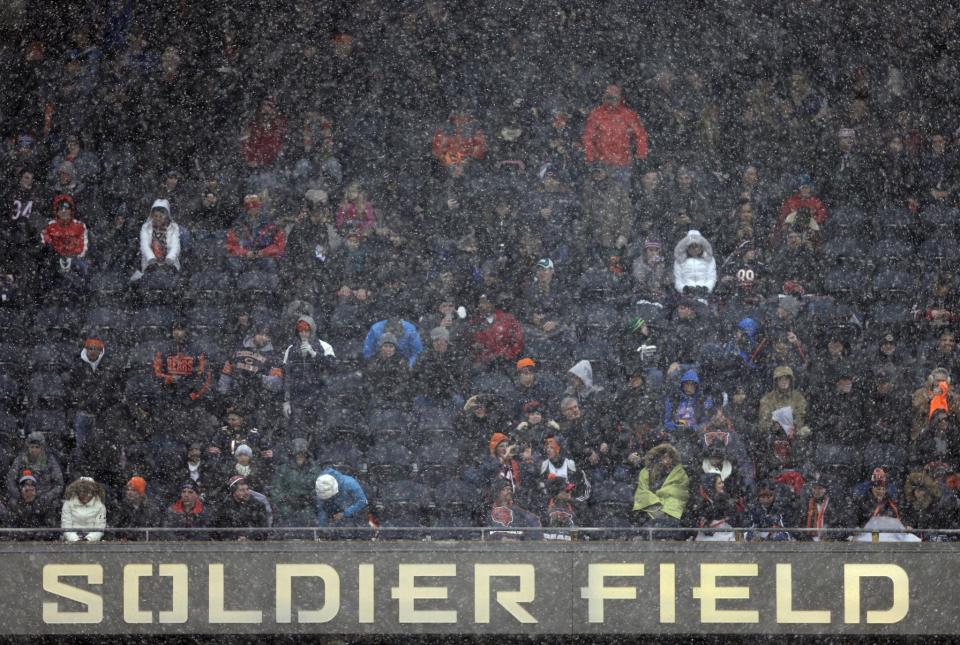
483, 532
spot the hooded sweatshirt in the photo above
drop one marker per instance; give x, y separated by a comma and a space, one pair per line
584, 371
694, 271
168, 247
303, 372
691, 412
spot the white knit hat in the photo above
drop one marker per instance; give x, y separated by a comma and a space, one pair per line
327, 487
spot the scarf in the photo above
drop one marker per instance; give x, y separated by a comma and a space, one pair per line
815, 516
939, 401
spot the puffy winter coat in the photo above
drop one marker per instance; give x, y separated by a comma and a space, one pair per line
171, 240
92, 515
694, 271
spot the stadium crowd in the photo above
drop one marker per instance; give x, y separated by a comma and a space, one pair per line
438, 264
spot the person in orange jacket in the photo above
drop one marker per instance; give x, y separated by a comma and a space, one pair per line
66, 235
614, 136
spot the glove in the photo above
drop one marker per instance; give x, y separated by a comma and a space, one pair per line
647, 352
306, 349
523, 425
804, 432
553, 425
286, 409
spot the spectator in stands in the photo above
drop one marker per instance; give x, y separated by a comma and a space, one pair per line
694, 267
188, 512
30, 511
557, 465
822, 508
460, 141
794, 263
86, 164
194, 464
942, 306
846, 175
560, 511
937, 394
878, 502
662, 490
92, 387
606, 202
254, 240
898, 180
292, 491
925, 506
712, 506
182, 368
134, 510
83, 510
356, 212
341, 502
67, 236
506, 517
305, 366
772, 510
650, 274
406, 336
513, 462
802, 210
496, 336
309, 248
783, 413
254, 375
43, 467
264, 138
614, 137
159, 240
687, 411
386, 376
939, 176
239, 431
438, 373
240, 510
353, 267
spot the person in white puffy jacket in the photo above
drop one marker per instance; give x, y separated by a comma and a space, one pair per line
83, 508
693, 263
159, 239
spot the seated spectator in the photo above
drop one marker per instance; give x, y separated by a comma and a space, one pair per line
134, 510
43, 467
159, 241
546, 309
239, 510
879, 501
405, 334
83, 511
310, 245
356, 212
822, 508
713, 507
85, 163
560, 514
557, 465
650, 274
511, 461
804, 200
188, 512
943, 353
353, 269
253, 240
496, 336
292, 490
783, 412
942, 306
253, 376
264, 137
438, 373
238, 431
639, 346
386, 376
694, 267
256, 472
582, 388
771, 510
793, 262
341, 502
662, 489
182, 368
745, 276
66, 237
460, 141
534, 428
512, 523
687, 411
937, 394
925, 506
28, 510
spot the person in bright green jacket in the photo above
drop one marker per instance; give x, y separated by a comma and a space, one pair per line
662, 490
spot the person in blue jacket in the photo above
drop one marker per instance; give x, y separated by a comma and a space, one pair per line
690, 408
409, 344
341, 501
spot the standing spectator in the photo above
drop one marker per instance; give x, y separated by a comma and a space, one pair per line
356, 212
438, 374
254, 373
405, 333
496, 335
460, 141
43, 467
264, 138
386, 376
803, 202
134, 510
84, 509
92, 387
614, 136
182, 369
292, 490
305, 366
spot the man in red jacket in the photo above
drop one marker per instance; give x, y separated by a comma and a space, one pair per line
608, 132
496, 334
66, 236
254, 239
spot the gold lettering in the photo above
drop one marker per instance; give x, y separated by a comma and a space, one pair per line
365, 602
668, 593
709, 593
331, 592
215, 599
180, 608
509, 600
851, 593
786, 614
406, 593
51, 584
595, 592
132, 614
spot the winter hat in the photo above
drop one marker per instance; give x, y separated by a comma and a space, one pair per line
635, 324
299, 445
161, 205
138, 484
526, 362
235, 481
545, 263
243, 449
439, 333
317, 197
532, 406
93, 342
192, 485
36, 439
251, 201
326, 487
495, 440
67, 167
653, 245
790, 305
25, 477
388, 338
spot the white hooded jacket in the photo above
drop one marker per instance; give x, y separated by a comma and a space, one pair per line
172, 240
694, 272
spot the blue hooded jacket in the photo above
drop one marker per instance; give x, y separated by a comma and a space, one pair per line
693, 411
749, 327
349, 500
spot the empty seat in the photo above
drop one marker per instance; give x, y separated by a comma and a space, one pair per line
389, 461
152, 323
